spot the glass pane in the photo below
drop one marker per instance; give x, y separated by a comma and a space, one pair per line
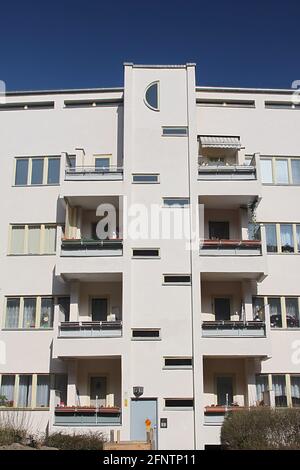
34, 239
261, 386
21, 171
258, 308
102, 163
298, 237
271, 238
53, 170
279, 388
287, 238
17, 240
174, 130
292, 312
145, 178
61, 384
25, 388
151, 96
43, 390
7, 390
296, 170
49, 239
37, 171
176, 202
12, 313
282, 173
47, 309
295, 390
29, 313
275, 312
71, 162
266, 171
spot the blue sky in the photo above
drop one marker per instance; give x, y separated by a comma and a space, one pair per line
79, 44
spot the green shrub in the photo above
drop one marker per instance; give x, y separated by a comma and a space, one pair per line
62, 441
262, 429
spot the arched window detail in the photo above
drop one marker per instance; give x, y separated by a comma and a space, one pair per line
152, 96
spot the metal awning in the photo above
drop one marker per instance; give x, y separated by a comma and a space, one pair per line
220, 141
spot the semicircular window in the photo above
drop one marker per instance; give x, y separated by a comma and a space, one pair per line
151, 96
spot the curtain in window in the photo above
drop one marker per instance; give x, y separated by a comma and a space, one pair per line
296, 170
47, 308
275, 312
282, 171
29, 313
258, 308
34, 239
43, 390
17, 240
271, 238
49, 239
261, 386
292, 312
12, 313
25, 390
287, 238
8, 387
61, 384
279, 388
295, 390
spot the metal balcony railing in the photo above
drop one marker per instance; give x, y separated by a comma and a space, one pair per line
86, 416
93, 172
234, 328
91, 329
90, 247
230, 247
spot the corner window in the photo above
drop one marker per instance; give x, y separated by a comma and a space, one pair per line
152, 96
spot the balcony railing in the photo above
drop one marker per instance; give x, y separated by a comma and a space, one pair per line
230, 247
234, 328
93, 173
226, 172
90, 329
214, 415
87, 416
89, 247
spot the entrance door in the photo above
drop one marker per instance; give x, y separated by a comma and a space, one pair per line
99, 309
225, 390
218, 230
142, 409
98, 391
222, 309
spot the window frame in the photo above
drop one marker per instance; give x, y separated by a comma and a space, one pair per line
38, 313
153, 108
42, 245
145, 181
177, 366
32, 405
179, 283
289, 159
167, 131
145, 256
46, 159
179, 407
146, 338
175, 206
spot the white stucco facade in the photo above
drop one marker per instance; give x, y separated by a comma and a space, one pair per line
84, 321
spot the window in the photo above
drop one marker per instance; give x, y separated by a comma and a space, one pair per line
151, 96
298, 237
177, 279
179, 403
12, 313
36, 171
292, 312
275, 312
287, 238
175, 131
29, 315
218, 230
102, 163
146, 333
176, 201
7, 390
25, 391
21, 172
145, 252
295, 164
258, 308
295, 390
60, 386
33, 239
29, 312
271, 238
279, 387
261, 386
53, 170
266, 170
178, 362
282, 173
145, 178
71, 161
43, 391
47, 311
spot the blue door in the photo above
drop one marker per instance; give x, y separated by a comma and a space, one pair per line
142, 409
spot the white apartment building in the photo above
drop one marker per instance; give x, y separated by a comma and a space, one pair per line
105, 334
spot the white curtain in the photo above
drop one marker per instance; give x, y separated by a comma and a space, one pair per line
7, 387
282, 171
266, 170
42, 393
17, 240
29, 313
261, 386
25, 389
292, 310
286, 232
279, 385
12, 313
49, 239
47, 313
34, 239
295, 387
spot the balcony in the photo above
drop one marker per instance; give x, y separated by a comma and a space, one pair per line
226, 172
87, 416
91, 247
90, 329
93, 173
215, 415
229, 329
231, 247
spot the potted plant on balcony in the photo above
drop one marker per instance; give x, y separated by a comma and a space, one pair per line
5, 403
